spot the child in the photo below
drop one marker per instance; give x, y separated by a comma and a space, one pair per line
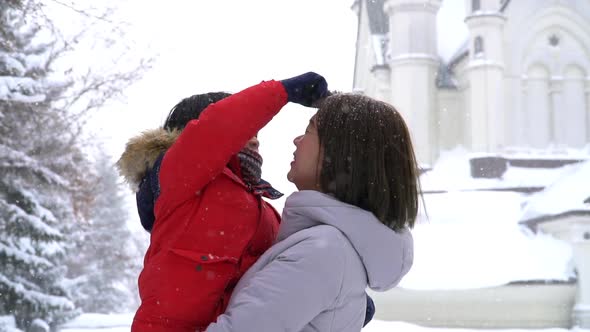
345, 229
208, 223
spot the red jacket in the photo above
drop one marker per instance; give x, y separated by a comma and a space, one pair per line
209, 228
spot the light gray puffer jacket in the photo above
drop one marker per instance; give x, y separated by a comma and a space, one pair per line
314, 277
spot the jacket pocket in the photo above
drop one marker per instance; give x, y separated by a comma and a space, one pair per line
203, 258
195, 284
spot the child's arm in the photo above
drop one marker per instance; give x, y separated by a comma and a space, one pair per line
205, 146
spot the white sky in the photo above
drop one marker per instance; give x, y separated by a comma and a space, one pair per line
452, 30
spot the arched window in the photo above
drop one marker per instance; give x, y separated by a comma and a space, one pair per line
478, 46
475, 5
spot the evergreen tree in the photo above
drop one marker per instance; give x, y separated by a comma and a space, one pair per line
106, 261
49, 205
35, 196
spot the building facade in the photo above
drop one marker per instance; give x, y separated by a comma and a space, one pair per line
520, 80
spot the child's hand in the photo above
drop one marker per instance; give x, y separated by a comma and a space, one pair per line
306, 89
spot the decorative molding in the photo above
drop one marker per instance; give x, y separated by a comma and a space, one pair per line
414, 59
393, 6
380, 67
554, 40
485, 18
479, 63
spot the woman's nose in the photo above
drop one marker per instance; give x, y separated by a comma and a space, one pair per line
297, 139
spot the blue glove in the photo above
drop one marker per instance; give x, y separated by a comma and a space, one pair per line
370, 312
306, 89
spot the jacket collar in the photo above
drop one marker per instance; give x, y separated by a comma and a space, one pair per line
142, 151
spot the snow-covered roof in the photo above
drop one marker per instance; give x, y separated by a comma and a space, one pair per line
461, 53
452, 172
473, 240
505, 4
445, 78
568, 193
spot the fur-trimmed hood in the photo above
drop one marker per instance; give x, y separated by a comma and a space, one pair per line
141, 153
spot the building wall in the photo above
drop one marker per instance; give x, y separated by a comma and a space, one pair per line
546, 88
537, 97
450, 118
414, 96
504, 307
414, 64
547, 79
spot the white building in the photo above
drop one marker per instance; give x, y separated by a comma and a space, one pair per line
521, 78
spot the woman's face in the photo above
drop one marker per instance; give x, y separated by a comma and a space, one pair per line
305, 166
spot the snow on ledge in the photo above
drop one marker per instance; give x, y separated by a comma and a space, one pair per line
98, 321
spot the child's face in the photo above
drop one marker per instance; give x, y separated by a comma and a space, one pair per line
253, 143
305, 166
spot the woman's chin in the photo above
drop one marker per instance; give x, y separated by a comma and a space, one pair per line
290, 175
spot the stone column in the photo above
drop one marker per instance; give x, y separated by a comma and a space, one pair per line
581, 247
576, 232
382, 75
588, 110
521, 131
556, 120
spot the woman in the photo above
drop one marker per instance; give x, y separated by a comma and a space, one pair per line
345, 229
209, 221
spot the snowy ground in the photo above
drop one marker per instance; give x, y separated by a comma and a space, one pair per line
120, 323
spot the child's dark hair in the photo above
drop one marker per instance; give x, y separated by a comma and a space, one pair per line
368, 158
190, 108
